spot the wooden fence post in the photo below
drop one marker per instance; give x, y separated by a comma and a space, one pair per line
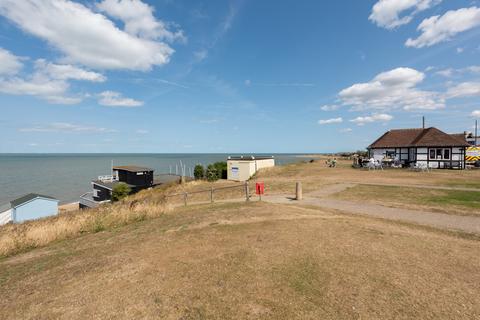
185, 195
298, 191
211, 195
247, 191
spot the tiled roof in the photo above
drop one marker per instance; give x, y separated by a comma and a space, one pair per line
419, 137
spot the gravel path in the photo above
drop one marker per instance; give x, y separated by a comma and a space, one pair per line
321, 199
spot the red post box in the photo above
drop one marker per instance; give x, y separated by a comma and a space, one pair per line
260, 188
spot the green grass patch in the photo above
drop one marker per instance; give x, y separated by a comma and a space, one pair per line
450, 201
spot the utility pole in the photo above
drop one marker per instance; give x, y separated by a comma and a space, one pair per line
423, 122
476, 127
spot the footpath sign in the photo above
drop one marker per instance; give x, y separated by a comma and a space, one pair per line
472, 154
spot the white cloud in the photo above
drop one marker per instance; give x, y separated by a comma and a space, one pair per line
445, 72
141, 131
330, 121
115, 99
67, 128
382, 117
329, 107
464, 89
346, 130
9, 63
67, 72
438, 29
473, 69
460, 50
85, 37
392, 89
139, 19
48, 81
387, 13
476, 113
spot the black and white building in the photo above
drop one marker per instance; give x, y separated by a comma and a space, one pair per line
428, 147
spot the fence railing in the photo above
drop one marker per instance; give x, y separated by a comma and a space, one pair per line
187, 194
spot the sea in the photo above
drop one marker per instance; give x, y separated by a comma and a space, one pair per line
67, 176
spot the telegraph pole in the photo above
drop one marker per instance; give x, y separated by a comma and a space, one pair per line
476, 127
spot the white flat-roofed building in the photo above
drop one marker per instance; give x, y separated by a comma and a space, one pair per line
242, 168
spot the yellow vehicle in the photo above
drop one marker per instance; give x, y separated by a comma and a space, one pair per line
472, 154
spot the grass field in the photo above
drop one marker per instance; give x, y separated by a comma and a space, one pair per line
448, 201
317, 174
248, 261
149, 257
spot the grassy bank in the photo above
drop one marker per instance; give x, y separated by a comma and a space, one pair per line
247, 261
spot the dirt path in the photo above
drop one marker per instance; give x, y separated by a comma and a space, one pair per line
321, 199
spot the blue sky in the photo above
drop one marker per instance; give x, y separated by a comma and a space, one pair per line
232, 76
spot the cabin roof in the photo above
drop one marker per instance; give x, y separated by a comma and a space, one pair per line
28, 197
249, 158
418, 137
132, 168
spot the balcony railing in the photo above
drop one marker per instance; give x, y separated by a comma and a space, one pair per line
107, 178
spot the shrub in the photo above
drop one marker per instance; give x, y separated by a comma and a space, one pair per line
199, 172
221, 167
212, 173
120, 191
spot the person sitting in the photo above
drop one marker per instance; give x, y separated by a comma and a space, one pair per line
334, 163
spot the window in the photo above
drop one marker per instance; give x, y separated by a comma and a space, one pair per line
390, 154
439, 154
446, 153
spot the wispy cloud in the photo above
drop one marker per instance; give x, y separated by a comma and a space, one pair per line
66, 127
115, 99
329, 107
248, 82
382, 117
330, 121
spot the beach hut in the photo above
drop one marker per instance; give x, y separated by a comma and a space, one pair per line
28, 207
243, 168
425, 147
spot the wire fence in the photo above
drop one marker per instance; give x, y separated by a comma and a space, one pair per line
212, 194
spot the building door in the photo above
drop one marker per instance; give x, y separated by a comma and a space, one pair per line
412, 155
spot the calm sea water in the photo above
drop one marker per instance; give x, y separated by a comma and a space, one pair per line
67, 176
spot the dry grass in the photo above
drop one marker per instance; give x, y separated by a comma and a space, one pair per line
315, 175
15, 238
247, 261
465, 203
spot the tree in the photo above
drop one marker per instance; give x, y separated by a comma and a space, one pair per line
120, 191
212, 173
199, 172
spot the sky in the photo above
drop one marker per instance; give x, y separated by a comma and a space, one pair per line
226, 76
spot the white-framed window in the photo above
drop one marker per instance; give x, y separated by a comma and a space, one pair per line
439, 154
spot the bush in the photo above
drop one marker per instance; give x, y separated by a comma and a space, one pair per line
120, 191
199, 172
221, 167
212, 173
